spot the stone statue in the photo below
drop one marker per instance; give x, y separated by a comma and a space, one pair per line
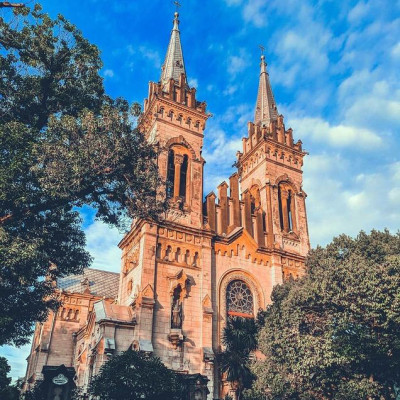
176, 309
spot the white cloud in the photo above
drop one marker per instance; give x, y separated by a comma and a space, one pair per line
340, 201
229, 90
254, 12
340, 136
237, 63
359, 11
109, 73
193, 83
101, 242
395, 52
145, 53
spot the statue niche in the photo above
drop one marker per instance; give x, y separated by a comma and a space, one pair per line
176, 308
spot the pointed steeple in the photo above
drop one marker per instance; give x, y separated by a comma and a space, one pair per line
266, 110
173, 65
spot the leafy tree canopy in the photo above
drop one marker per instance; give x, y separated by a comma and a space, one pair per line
7, 391
335, 333
64, 144
134, 375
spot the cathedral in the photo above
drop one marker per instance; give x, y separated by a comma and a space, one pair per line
214, 256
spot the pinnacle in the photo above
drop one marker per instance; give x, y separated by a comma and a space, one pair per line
266, 110
174, 64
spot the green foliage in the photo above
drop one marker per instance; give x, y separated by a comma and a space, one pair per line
240, 339
64, 144
335, 333
135, 375
7, 391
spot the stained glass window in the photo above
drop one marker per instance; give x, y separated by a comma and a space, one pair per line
239, 299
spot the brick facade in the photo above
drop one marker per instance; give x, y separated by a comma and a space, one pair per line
175, 275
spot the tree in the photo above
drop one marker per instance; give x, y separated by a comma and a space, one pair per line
239, 339
135, 375
7, 391
335, 333
64, 144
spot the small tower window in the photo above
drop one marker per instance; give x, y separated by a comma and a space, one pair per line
289, 208
170, 174
182, 183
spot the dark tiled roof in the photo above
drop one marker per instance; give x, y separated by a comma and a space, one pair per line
101, 283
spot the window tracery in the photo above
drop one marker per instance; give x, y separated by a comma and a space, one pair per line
239, 299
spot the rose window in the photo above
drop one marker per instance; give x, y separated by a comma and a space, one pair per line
239, 299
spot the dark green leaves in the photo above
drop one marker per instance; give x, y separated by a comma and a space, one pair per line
335, 333
135, 375
63, 144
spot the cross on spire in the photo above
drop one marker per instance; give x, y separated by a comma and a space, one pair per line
177, 5
262, 48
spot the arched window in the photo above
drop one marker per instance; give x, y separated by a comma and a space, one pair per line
290, 213
182, 182
286, 209
239, 299
170, 174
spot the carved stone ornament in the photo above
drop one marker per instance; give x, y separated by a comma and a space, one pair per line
145, 298
176, 337
179, 279
132, 259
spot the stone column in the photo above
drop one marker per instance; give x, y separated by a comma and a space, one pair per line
260, 229
210, 204
223, 203
188, 181
293, 211
270, 224
178, 160
234, 185
248, 224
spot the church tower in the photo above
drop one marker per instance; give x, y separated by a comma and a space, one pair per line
182, 278
167, 267
270, 167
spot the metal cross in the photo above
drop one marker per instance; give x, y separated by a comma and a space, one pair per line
262, 48
177, 5
4, 4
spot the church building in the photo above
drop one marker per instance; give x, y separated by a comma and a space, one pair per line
214, 256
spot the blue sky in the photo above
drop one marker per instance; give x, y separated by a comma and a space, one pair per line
334, 69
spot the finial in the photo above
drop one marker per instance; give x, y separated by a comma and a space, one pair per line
176, 15
263, 64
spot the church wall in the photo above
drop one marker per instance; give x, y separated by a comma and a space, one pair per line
54, 344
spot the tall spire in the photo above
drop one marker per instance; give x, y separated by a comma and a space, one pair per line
266, 110
173, 65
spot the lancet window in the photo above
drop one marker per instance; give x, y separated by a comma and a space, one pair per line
170, 174
178, 174
239, 299
287, 212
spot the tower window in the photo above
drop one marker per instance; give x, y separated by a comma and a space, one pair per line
182, 183
170, 174
286, 209
289, 208
239, 299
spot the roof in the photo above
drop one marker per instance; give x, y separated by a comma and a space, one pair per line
173, 65
100, 283
112, 312
266, 110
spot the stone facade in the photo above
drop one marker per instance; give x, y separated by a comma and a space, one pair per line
182, 278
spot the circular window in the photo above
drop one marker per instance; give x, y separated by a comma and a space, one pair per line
239, 299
